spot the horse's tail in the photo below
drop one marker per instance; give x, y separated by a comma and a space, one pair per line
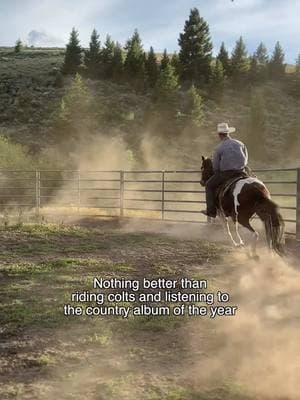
268, 212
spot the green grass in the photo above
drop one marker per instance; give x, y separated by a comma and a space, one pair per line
100, 358
50, 266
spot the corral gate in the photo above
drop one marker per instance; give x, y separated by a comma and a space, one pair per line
167, 195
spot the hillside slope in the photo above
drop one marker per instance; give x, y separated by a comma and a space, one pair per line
31, 89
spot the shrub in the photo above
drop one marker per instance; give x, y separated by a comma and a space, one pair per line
14, 156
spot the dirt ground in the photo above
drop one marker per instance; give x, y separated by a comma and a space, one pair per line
46, 355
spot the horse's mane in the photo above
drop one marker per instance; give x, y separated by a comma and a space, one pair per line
208, 162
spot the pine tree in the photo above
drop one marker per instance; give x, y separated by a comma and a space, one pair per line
73, 116
166, 90
223, 57
165, 60
72, 60
117, 63
253, 70
195, 49
18, 46
239, 61
175, 63
262, 59
194, 112
107, 55
135, 61
151, 68
276, 64
92, 57
217, 80
262, 54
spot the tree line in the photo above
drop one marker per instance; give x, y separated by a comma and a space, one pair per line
194, 63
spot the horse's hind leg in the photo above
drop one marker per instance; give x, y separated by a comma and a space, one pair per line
238, 234
226, 226
236, 224
244, 221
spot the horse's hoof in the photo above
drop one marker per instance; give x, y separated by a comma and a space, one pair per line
239, 245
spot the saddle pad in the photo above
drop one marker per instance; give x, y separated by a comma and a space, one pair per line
224, 188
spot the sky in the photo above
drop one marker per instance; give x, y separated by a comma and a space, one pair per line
159, 22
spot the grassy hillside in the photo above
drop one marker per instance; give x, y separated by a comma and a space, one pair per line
27, 92
31, 89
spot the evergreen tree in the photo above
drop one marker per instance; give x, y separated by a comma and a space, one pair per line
223, 57
194, 112
166, 90
262, 54
253, 70
18, 46
195, 53
117, 63
152, 68
73, 115
217, 80
262, 59
165, 60
276, 64
135, 60
175, 63
72, 59
239, 61
107, 55
92, 56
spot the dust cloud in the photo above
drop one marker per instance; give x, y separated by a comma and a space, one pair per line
97, 156
258, 349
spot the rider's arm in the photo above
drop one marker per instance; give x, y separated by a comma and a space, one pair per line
245, 151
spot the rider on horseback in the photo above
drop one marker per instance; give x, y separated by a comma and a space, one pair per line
230, 160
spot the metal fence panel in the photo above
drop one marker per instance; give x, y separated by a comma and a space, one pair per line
167, 195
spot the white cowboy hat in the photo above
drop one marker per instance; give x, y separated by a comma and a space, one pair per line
224, 128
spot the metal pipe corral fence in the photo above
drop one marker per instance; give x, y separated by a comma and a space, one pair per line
158, 194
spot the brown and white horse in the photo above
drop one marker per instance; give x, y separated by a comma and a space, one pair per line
241, 201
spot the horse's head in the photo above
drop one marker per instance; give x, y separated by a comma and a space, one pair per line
206, 170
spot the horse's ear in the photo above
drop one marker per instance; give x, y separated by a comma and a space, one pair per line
203, 158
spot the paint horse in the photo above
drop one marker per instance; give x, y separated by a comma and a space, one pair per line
241, 198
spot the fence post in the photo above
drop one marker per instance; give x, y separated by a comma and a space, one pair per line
298, 206
122, 173
37, 192
78, 191
162, 195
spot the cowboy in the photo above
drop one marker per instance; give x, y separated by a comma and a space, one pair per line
230, 160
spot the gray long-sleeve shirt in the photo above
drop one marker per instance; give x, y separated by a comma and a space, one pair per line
230, 154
